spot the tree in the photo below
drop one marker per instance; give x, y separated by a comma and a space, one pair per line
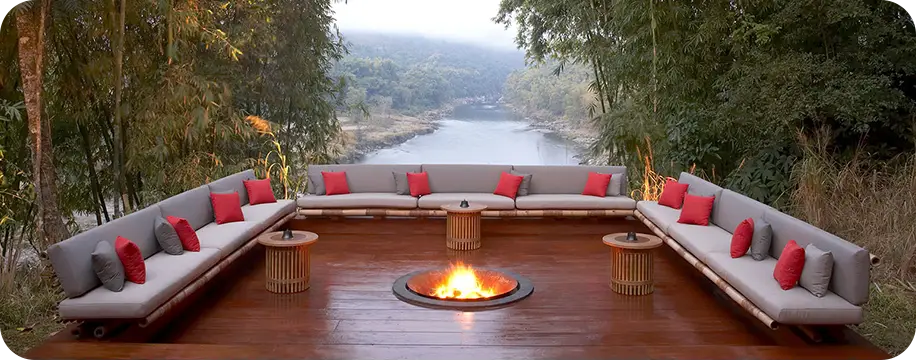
30, 23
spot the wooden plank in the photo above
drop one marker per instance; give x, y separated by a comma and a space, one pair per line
293, 351
349, 311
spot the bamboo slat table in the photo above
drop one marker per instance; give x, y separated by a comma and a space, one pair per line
632, 270
462, 232
288, 264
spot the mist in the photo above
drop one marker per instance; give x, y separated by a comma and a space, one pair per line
468, 21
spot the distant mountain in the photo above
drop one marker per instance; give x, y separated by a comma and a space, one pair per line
413, 73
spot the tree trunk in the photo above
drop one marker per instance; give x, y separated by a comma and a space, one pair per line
93, 177
30, 24
117, 20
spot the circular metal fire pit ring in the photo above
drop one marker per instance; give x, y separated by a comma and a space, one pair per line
402, 292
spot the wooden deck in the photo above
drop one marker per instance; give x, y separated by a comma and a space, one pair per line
349, 311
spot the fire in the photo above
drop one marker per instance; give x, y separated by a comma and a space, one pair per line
462, 283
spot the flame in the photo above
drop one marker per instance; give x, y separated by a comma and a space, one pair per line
652, 182
462, 283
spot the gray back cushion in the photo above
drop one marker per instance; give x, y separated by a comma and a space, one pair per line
361, 178
851, 264
464, 178
566, 179
233, 183
72, 258
734, 208
193, 205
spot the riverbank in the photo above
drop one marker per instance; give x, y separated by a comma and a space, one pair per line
381, 131
581, 134
384, 130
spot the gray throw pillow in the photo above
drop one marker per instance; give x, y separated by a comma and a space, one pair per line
760, 242
816, 273
167, 236
107, 266
400, 183
316, 186
526, 182
613, 188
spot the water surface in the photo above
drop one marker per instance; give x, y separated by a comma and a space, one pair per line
480, 134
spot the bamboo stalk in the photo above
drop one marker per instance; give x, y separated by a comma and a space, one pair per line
710, 274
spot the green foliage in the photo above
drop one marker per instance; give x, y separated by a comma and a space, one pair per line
413, 74
727, 87
551, 90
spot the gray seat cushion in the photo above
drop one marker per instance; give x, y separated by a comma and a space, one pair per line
266, 214
851, 267
573, 201
72, 258
233, 183
193, 205
568, 179
358, 200
661, 216
754, 279
464, 178
361, 178
227, 237
166, 275
701, 240
492, 201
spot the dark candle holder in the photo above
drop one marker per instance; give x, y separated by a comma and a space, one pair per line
288, 234
464, 204
631, 237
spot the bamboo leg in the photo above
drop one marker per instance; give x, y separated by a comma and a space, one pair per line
710, 274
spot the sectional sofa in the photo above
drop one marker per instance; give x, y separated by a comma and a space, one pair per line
169, 278
750, 283
553, 191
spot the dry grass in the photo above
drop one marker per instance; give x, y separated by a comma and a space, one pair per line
28, 310
872, 204
379, 131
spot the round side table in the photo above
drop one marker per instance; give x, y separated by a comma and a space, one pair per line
288, 264
632, 271
462, 232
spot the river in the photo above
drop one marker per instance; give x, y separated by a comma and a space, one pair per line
484, 134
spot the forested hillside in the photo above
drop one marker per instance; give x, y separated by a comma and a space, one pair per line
412, 74
549, 91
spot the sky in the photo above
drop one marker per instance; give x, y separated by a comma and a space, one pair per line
459, 20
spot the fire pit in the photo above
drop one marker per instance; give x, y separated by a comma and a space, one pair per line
462, 287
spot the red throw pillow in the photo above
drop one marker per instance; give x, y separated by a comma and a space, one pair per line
673, 194
696, 210
789, 266
259, 191
741, 239
132, 259
186, 233
419, 184
226, 207
335, 183
508, 185
596, 185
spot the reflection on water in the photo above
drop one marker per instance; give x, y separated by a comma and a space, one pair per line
483, 134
